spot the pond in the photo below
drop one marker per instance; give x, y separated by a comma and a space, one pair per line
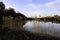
41, 27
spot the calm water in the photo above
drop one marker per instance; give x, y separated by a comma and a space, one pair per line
41, 27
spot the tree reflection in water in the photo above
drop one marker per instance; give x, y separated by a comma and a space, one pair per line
41, 27
14, 24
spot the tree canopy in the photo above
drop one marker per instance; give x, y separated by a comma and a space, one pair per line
2, 7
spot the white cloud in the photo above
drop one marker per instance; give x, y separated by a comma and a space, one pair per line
57, 0
30, 0
54, 7
34, 14
34, 6
55, 4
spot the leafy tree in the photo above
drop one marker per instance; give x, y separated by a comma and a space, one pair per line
9, 11
2, 7
55, 15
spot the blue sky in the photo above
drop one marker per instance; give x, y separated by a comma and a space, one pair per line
33, 8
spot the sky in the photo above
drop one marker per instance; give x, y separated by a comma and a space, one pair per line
34, 8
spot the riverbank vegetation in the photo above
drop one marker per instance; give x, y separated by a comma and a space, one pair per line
8, 34
54, 18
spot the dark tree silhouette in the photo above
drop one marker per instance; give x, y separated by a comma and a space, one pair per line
2, 8
9, 11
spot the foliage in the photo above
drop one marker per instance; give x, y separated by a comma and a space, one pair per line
2, 8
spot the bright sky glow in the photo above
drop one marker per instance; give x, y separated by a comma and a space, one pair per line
32, 8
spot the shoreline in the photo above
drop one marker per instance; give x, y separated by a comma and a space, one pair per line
8, 34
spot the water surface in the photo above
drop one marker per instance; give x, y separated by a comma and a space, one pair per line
41, 27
